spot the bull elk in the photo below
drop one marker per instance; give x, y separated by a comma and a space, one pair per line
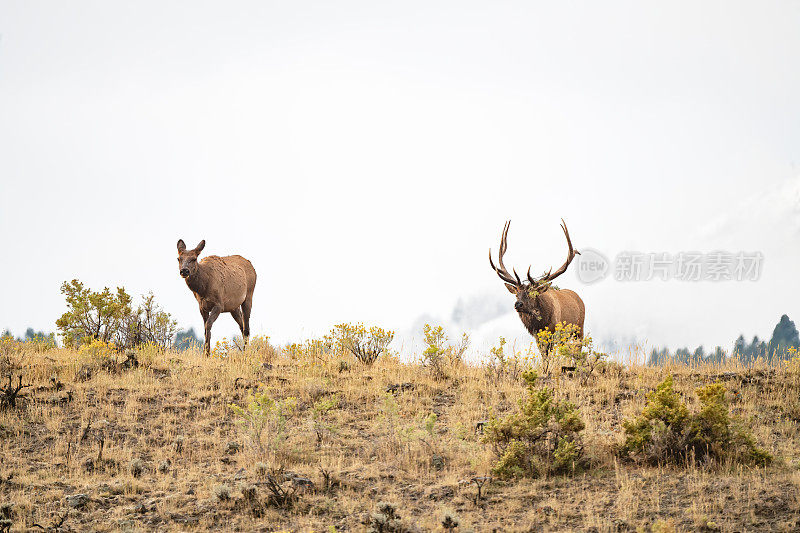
220, 285
540, 306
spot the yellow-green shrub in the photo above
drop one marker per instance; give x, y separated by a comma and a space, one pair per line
667, 432
365, 344
262, 413
564, 345
438, 355
542, 437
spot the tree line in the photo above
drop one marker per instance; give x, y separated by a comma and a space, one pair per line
31, 335
783, 345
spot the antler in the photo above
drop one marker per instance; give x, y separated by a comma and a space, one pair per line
570, 256
502, 271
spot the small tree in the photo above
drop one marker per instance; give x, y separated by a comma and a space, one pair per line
109, 317
90, 314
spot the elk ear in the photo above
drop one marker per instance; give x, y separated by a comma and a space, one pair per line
199, 247
181, 245
511, 288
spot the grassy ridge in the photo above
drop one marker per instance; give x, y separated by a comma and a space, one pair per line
155, 444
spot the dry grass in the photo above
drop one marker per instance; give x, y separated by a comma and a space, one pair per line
157, 447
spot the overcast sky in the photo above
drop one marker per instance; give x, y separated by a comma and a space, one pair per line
365, 155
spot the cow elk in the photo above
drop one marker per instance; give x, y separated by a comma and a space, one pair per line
220, 285
539, 304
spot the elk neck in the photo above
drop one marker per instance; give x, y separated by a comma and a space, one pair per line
198, 281
534, 324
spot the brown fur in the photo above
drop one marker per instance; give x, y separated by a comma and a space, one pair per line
220, 285
546, 308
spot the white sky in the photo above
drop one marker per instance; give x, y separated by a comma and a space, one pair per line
364, 155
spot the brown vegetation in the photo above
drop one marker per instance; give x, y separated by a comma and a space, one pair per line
314, 444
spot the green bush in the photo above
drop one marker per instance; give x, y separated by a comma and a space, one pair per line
667, 432
542, 437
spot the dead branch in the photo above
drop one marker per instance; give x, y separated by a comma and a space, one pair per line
9, 395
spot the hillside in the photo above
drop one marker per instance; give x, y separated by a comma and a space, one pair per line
153, 444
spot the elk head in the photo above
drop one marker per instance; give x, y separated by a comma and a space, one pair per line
529, 292
187, 259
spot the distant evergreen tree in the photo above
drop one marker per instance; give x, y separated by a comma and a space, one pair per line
658, 357
187, 339
717, 357
31, 335
739, 347
784, 336
682, 355
755, 350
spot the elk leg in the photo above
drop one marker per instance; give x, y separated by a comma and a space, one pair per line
246, 306
212, 316
237, 316
204, 314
